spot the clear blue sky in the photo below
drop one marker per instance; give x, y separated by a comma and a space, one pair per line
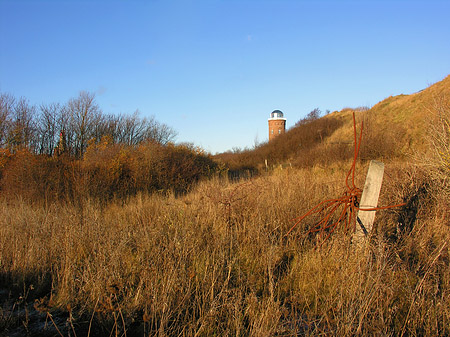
214, 70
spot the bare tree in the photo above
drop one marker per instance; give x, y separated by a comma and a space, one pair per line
311, 116
6, 110
111, 127
314, 114
135, 130
159, 132
22, 126
50, 125
132, 129
77, 122
84, 113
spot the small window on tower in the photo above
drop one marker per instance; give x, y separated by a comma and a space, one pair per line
279, 131
271, 131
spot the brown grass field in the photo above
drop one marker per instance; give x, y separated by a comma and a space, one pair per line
216, 261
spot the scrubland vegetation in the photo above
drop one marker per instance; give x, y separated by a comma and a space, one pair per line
155, 239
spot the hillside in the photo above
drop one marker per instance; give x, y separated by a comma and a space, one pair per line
395, 127
402, 119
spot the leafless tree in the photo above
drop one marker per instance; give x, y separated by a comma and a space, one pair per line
159, 132
311, 116
51, 122
83, 114
6, 111
79, 121
131, 129
110, 126
22, 126
134, 130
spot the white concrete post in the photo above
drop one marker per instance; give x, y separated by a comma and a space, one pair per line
369, 199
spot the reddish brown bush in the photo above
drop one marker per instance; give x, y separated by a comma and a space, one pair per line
39, 178
107, 171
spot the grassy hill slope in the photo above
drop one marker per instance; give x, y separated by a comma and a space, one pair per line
395, 127
404, 120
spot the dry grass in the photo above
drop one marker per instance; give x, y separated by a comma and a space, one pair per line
396, 126
216, 261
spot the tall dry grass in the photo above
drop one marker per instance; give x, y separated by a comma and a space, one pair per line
217, 262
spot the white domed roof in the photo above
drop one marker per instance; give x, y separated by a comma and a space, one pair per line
276, 114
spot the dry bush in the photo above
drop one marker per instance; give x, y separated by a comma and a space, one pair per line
117, 171
107, 172
39, 178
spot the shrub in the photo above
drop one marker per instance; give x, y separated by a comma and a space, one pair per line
39, 177
106, 172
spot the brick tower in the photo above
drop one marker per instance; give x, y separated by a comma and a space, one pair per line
277, 124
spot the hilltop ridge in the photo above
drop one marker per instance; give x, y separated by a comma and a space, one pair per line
411, 112
395, 127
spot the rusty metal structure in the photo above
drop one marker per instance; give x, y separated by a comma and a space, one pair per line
344, 207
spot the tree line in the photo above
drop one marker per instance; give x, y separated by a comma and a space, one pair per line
73, 152
53, 128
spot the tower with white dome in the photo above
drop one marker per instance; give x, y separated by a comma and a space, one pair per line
277, 124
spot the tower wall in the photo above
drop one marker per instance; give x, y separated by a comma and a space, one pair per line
277, 126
